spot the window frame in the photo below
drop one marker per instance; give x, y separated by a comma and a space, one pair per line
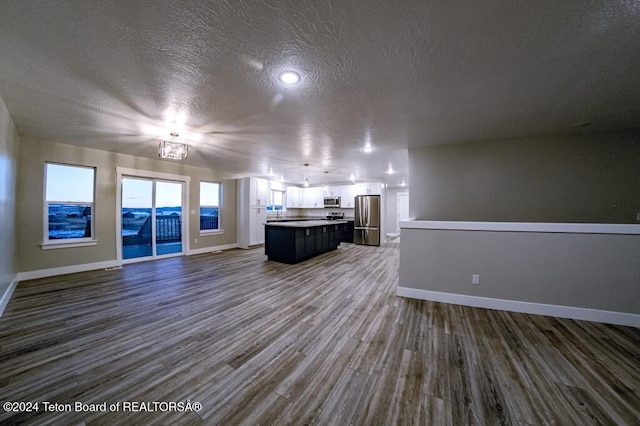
272, 207
218, 230
53, 243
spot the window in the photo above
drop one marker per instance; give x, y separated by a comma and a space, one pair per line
210, 206
69, 203
276, 200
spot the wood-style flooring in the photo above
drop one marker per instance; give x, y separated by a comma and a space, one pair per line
324, 342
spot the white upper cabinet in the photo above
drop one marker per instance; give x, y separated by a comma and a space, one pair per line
259, 193
305, 197
332, 191
313, 197
293, 197
347, 196
369, 188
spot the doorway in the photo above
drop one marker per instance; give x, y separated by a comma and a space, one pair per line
402, 209
151, 218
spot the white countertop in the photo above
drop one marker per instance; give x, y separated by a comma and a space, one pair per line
569, 228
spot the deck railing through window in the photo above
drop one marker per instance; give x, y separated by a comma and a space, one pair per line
208, 222
168, 230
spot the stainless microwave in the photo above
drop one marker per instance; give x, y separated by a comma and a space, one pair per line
332, 201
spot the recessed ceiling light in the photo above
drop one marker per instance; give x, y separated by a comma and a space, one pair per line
289, 77
368, 148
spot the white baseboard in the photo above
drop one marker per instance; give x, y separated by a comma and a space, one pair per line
584, 314
211, 249
42, 273
6, 296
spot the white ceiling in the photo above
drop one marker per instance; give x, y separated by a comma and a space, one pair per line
120, 75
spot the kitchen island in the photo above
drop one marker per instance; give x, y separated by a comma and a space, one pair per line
293, 242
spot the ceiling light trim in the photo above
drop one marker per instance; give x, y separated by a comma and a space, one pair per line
289, 77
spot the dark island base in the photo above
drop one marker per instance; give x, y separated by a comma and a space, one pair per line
296, 244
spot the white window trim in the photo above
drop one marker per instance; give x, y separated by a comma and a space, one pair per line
48, 244
126, 171
85, 242
206, 232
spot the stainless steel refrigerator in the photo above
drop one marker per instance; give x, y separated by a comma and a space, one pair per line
366, 228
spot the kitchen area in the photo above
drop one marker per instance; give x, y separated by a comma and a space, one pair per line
296, 223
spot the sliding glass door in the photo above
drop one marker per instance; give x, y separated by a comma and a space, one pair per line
168, 210
152, 212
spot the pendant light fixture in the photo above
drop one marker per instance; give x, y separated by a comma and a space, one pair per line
306, 178
173, 150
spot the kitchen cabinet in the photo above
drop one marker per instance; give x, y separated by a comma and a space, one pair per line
318, 197
256, 225
259, 192
332, 191
322, 238
347, 196
306, 197
293, 242
346, 232
293, 196
312, 198
369, 188
252, 214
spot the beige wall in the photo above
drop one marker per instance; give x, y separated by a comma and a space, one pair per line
563, 179
590, 178
9, 146
33, 155
586, 271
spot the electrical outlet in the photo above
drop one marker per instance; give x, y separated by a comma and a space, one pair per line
195, 241
475, 279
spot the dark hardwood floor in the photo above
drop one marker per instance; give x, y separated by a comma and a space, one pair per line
324, 342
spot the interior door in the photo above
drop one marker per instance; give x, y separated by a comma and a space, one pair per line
403, 208
152, 212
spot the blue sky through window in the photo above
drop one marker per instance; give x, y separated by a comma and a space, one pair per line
137, 193
69, 183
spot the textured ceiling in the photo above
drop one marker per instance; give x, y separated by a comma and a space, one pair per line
119, 75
